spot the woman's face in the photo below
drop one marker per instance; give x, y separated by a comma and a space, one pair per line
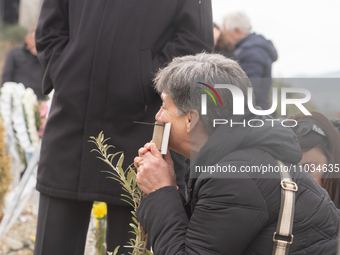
315, 159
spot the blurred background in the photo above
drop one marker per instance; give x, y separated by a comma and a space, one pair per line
305, 33
16, 18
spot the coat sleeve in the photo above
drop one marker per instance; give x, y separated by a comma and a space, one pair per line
225, 220
194, 32
9, 67
52, 34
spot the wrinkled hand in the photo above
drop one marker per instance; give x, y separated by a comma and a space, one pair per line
154, 171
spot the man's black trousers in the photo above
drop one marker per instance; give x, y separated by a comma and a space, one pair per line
63, 224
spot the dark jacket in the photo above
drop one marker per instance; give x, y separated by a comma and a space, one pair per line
256, 55
236, 213
23, 67
100, 57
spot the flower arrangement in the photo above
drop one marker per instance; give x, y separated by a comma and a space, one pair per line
12, 112
24, 119
128, 181
29, 101
99, 211
41, 112
35, 115
18, 142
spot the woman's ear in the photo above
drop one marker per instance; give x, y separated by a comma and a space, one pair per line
194, 119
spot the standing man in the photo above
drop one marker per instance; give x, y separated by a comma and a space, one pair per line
100, 57
22, 66
254, 53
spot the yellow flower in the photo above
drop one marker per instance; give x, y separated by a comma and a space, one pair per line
32, 238
99, 210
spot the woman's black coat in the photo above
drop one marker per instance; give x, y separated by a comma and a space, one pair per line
235, 212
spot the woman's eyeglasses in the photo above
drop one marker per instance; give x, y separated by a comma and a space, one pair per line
304, 127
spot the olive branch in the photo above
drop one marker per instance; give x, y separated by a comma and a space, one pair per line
128, 181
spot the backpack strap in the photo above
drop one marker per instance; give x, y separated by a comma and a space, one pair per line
283, 237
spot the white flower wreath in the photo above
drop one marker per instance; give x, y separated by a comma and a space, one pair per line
12, 112
29, 101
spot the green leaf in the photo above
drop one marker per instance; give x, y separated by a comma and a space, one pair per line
116, 250
134, 232
105, 160
135, 220
112, 173
129, 197
90, 141
128, 202
95, 150
114, 155
132, 242
134, 184
110, 177
131, 176
106, 140
135, 228
121, 160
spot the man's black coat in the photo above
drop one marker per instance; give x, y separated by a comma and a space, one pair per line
236, 212
100, 57
256, 55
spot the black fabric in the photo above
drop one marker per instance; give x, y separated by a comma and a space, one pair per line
23, 67
255, 55
236, 213
118, 228
63, 226
179, 163
100, 57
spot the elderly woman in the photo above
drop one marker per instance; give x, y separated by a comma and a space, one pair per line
226, 212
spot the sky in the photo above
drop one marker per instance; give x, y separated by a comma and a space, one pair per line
306, 33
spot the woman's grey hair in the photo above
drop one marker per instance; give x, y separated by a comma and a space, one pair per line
238, 20
181, 79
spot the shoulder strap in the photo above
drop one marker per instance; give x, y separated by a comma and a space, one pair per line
286, 217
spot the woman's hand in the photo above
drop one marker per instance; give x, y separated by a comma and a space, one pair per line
154, 171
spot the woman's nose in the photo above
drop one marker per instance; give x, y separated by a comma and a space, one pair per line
158, 115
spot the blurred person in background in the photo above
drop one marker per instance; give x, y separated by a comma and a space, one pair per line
320, 145
22, 66
254, 53
221, 43
217, 33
